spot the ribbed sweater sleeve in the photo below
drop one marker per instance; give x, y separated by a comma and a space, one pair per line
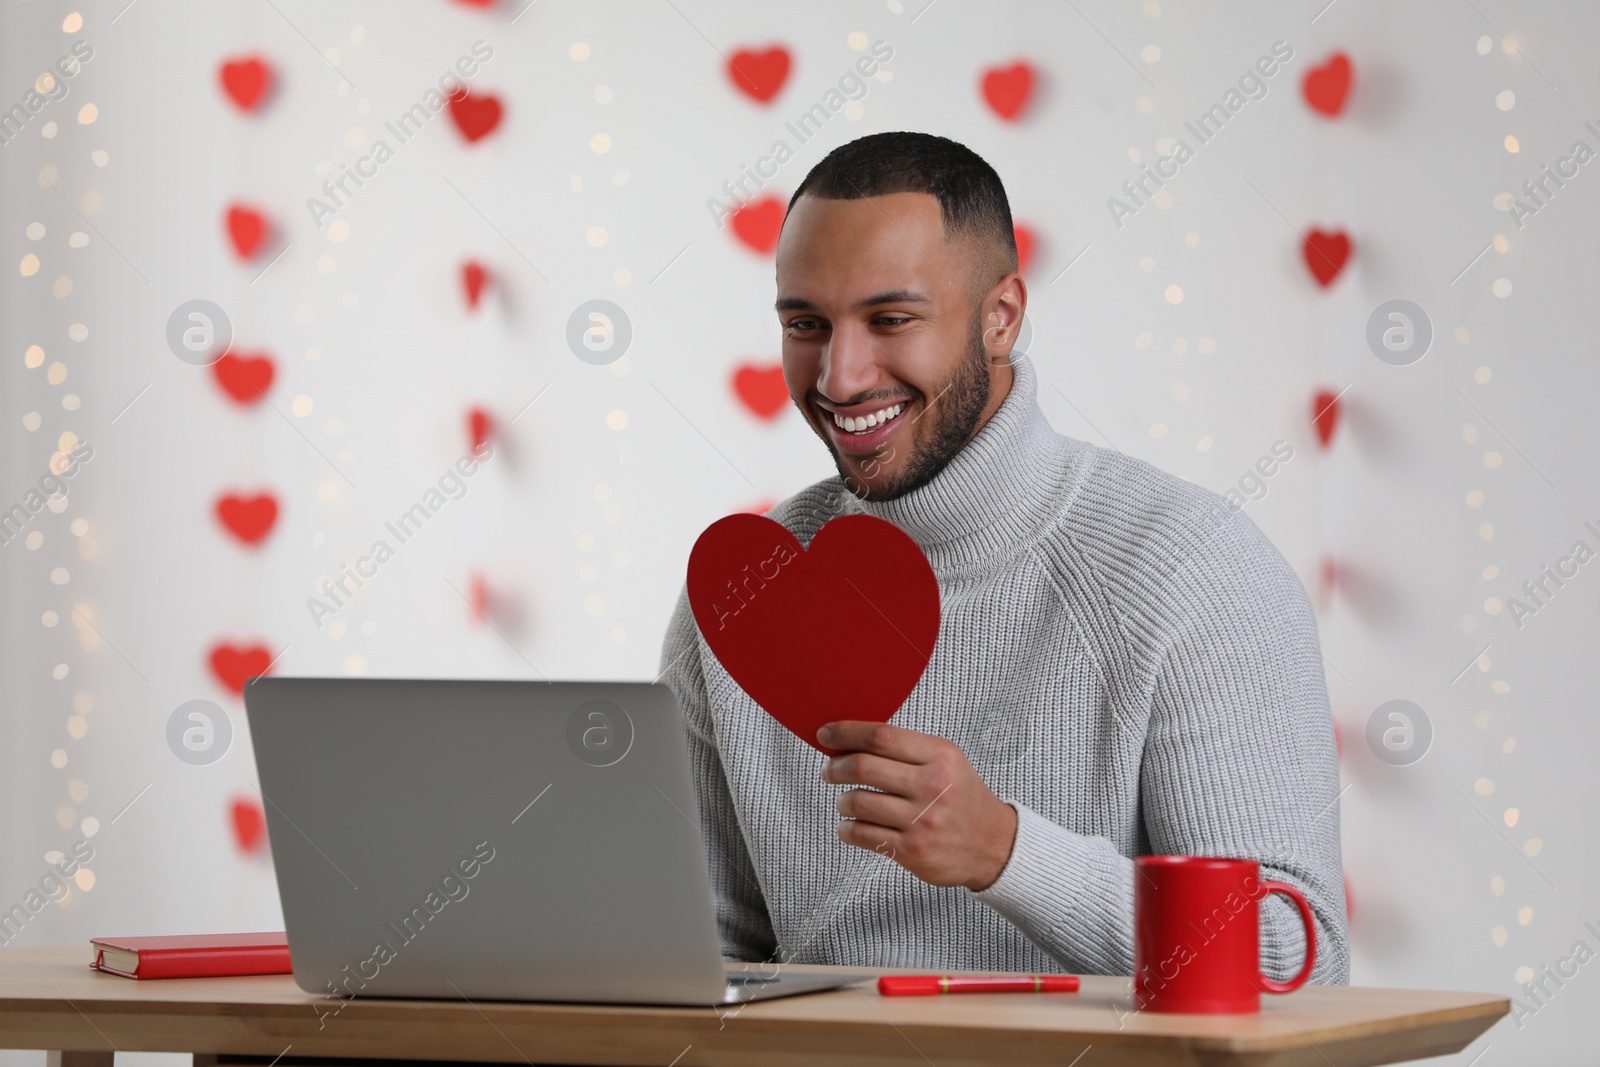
741, 906
1238, 761
1240, 757
1071, 894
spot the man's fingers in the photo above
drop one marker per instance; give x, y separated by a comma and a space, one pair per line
870, 836
861, 768
880, 739
884, 809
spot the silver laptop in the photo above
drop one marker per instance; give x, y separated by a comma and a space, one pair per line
492, 840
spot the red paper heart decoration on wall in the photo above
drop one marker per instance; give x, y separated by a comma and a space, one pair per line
1328, 573
1326, 87
249, 518
479, 426
758, 223
1007, 90
478, 598
1325, 415
759, 75
244, 378
760, 507
248, 230
760, 387
1325, 254
787, 623
234, 665
475, 115
247, 81
1025, 242
473, 278
249, 825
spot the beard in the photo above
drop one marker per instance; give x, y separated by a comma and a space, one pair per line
953, 413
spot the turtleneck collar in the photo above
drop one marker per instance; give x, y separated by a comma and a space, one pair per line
996, 494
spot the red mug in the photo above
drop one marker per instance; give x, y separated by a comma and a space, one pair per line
1197, 935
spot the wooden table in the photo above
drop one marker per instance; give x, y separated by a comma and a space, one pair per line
51, 999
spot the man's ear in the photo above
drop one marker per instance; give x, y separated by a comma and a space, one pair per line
1003, 309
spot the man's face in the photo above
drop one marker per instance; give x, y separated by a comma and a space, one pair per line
880, 323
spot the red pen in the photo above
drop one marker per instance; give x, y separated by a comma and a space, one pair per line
927, 985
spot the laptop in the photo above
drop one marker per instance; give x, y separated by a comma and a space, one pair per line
493, 840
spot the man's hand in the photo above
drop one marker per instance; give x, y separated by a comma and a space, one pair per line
931, 812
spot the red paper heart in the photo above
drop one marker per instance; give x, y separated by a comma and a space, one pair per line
1025, 242
1325, 254
248, 229
244, 378
249, 825
234, 665
479, 426
249, 518
1325, 414
759, 75
758, 223
760, 388
475, 115
1007, 90
1326, 87
1328, 575
247, 81
843, 630
473, 278
478, 597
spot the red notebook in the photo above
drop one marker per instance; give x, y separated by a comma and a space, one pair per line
192, 955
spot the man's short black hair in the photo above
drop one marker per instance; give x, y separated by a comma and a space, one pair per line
971, 198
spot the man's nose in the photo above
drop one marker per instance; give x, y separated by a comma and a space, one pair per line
849, 365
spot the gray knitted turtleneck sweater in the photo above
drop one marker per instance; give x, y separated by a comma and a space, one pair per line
1126, 662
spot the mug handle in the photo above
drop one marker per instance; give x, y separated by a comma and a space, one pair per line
1269, 985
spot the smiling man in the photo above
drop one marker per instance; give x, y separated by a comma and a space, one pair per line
1125, 665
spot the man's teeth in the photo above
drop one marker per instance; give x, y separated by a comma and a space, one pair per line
863, 423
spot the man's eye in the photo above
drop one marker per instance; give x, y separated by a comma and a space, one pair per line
892, 320
802, 325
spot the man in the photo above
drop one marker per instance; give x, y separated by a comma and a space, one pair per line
1125, 665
